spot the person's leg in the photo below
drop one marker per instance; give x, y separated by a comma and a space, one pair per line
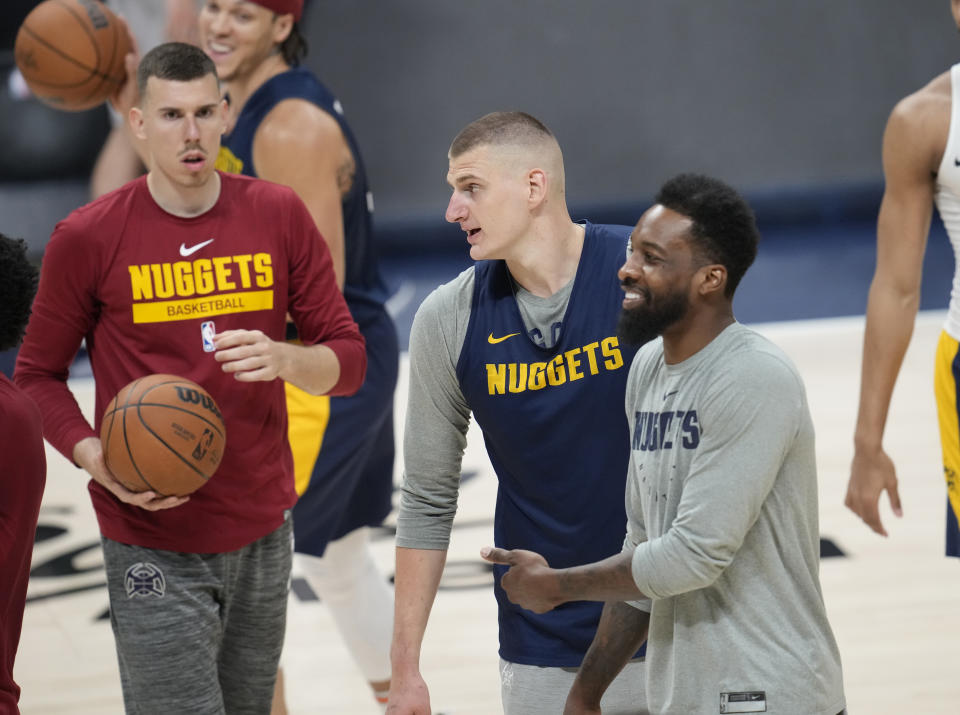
360, 601
257, 581
165, 613
945, 376
536, 690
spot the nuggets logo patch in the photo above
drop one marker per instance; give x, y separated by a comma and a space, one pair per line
144, 579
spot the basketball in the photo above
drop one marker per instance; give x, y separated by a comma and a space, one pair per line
71, 53
163, 433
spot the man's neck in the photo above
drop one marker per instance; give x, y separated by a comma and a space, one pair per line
685, 339
183, 201
241, 88
547, 259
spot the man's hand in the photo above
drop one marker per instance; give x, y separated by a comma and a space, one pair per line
528, 582
127, 95
408, 695
870, 474
88, 454
249, 354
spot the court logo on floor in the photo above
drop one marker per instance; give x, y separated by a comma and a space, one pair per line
144, 579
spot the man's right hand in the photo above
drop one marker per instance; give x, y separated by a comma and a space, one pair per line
870, 474
408, 695
88, 454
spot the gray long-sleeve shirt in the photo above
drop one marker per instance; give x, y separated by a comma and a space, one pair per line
438, 416
723, 524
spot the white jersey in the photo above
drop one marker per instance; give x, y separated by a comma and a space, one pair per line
947, 198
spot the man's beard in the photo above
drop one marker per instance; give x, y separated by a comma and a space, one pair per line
640, 325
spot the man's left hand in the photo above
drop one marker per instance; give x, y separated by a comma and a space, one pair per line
249, 354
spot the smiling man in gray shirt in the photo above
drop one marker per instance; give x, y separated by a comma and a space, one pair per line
722, 544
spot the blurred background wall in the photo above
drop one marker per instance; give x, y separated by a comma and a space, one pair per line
786, 100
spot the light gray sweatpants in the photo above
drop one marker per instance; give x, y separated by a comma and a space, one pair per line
199, 633
535, 690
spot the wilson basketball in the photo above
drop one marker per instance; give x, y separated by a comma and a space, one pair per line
163, 433
71, 53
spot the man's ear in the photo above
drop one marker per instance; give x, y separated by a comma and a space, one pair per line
713, 279
282, 27
537, 186
136, 122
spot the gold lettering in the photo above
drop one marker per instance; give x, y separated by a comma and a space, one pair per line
496, 379
518, 377
610, 349
556, 375
203, 276
590, 351
140, 284
262, 264
573, 364
243, 267
538, 377
222, 271
183, 278
162, 280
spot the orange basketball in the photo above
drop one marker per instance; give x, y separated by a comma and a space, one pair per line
70, 52
163, 433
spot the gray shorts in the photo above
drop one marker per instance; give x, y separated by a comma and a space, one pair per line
199, 633
535, 690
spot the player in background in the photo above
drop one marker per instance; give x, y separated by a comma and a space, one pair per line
721, 556
525, 341
149, 22
137, 274
24, 471
921, 165
284, 125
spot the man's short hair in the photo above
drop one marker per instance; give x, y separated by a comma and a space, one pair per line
500, 128
176, 61
724, 226
18, 284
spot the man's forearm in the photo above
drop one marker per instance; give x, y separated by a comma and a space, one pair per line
607, 580
621, 632
416, 581
312, 368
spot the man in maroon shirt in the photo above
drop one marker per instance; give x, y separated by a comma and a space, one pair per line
145, 274
24, 466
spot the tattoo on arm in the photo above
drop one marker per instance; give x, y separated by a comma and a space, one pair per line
345, 175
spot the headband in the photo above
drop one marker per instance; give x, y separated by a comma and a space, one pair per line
283, 7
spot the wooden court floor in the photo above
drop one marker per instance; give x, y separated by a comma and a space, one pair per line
894, 603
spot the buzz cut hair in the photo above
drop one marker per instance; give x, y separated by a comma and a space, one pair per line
175, 61
499, 129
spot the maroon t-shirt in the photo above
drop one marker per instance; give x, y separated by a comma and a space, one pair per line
22, 477
138, 283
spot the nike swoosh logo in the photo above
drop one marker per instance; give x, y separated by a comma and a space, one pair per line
956, 161
493, 341
666, 395
184, 251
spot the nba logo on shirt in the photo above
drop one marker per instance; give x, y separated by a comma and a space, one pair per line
206, 333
